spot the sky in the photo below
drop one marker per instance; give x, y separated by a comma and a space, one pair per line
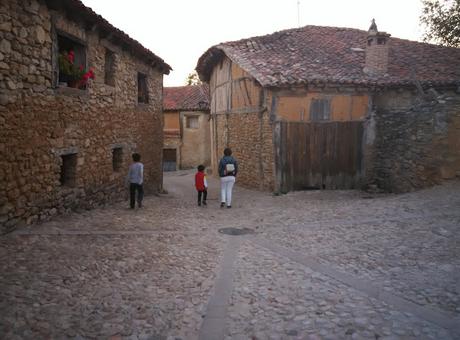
180, 31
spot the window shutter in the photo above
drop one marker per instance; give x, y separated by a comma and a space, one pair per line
320, 110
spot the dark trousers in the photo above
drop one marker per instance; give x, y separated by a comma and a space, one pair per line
203, 193
133, 187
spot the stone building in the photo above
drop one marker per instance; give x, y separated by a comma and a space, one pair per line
329, 107
186, 127
66, 140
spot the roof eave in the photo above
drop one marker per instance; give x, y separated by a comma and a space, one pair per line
91, 18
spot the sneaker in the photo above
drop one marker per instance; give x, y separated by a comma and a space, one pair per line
229, 206
222, 204
204, 203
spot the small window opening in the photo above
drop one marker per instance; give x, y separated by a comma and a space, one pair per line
68, 170
191, 122
117, 159
142, 90
109, 68
381, 41
71, 63
320, 109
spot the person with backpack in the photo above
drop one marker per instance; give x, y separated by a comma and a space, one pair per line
228, 169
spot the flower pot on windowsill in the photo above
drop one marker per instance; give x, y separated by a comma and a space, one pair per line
68, 80
74, 83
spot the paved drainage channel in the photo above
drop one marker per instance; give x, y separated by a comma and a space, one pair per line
236, 231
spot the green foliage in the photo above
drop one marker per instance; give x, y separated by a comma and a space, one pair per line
442, 21
67, 67
193, 79
71, 74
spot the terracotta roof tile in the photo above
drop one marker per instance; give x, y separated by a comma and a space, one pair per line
335, 55
193, 98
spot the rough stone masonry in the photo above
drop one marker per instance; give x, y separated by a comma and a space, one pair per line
417, 140
64, 148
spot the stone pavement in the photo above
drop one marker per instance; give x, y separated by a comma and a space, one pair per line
318, 265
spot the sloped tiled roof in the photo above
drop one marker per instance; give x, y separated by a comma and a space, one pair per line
317, 54
192, 98
77, 10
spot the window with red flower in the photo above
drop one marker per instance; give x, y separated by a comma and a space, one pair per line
72, 63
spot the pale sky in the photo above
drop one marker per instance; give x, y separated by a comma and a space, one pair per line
180, 31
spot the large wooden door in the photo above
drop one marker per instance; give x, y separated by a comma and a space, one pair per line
326, 155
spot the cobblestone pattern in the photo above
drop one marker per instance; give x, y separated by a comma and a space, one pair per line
416, 255
277, 299
149, 273
40, 123
86, 275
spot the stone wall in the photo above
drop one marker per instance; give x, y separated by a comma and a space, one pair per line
240, 120
40, 123
195, 147
250, 137
416, 140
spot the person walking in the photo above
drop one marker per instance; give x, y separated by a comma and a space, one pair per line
136, 179
201, 184
228, 169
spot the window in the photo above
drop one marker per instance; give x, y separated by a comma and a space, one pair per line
71, 62
109, 68
320, 109
117, 159
191, 122
142, 89
68, 170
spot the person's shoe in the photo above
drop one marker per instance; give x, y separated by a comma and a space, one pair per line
229, 206
222, 204
204, 203
140, 204
199, 204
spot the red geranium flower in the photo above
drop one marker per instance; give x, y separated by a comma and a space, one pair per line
88, 75
71, 56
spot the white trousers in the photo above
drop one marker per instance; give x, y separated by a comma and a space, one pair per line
226, 187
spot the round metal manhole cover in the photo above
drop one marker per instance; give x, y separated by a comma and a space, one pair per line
235, 231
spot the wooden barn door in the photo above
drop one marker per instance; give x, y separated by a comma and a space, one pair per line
326, 155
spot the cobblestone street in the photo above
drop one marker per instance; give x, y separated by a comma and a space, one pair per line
317, 265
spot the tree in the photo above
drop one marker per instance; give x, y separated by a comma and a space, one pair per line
442, 21
193, 79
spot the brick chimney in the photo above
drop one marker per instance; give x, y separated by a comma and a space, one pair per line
377, 49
